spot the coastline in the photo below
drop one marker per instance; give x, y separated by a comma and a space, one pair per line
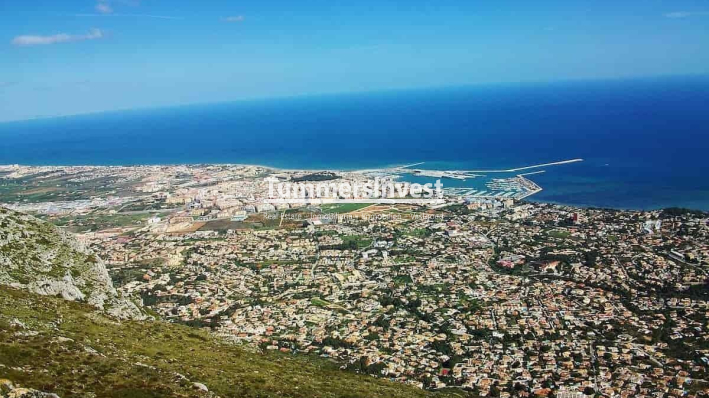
547, 189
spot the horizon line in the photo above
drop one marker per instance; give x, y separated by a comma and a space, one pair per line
356, 92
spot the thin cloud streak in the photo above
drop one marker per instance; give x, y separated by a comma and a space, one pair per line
685, 14
236, 18
127, 16
39, 40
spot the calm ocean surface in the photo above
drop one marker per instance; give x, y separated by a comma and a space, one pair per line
645, 142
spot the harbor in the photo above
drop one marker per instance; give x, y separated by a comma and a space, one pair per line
478, 184
516, 188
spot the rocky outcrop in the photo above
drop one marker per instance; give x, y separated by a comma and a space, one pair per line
41, 258
9, 390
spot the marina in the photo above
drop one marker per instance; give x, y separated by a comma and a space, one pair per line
516, 188
473, 185
482, 186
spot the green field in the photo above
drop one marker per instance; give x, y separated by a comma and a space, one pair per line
356, 241
340, 208
418, 232
559, 234
34, 189
318, 302
100, 221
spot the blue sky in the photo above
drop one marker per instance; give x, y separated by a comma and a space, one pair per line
79, 56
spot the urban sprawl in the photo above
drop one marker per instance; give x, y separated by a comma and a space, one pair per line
495, 295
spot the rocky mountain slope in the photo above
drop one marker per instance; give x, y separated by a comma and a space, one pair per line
41, 258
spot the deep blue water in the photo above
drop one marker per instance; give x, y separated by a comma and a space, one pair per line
645, 142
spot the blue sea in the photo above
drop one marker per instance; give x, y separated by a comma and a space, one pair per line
645, 142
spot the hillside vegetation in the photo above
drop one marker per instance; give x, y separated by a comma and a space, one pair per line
70, 349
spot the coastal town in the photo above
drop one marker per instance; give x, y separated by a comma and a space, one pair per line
488, 294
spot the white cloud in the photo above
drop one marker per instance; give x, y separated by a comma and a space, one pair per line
36, 40
103, 7
235, 18
684, 14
